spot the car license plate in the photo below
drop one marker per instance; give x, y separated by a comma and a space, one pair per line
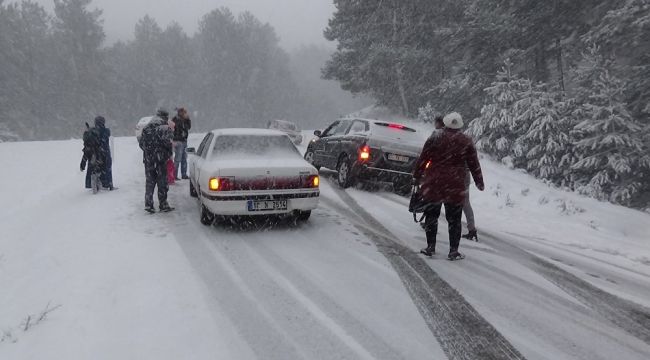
267, 205
399, 158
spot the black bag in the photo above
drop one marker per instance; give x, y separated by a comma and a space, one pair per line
417, 205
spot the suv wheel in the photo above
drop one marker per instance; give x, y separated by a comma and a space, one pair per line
344, 169
309, 157
402, 189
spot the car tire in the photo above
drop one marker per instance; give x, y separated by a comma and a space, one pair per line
193, 192
309, 157
402, 189
345, 177
302, 216
207, 218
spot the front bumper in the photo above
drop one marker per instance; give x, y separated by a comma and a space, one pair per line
236, 202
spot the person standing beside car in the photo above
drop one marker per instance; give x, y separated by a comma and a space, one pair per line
183, 124
156, 146
441, 172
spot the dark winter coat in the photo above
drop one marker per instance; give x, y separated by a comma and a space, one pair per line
182, 128
449, 154
156, 142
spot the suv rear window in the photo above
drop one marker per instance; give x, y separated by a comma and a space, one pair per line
394, 131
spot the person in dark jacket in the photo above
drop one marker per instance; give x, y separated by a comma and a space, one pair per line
106, 176
156, 146
183, 124
93, 158
440, 172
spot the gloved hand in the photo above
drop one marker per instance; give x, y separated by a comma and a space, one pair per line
82, 166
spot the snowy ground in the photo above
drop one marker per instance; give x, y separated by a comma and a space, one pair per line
555, 276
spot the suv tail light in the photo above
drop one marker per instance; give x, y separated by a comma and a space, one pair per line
364, 153
311, 182
221, 184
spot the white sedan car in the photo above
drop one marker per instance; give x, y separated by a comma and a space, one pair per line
251, 172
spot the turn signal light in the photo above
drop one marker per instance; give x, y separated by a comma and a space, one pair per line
215, 184
220, 184
365, 153
311, 181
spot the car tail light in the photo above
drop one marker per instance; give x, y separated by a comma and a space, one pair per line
364, 154
220, 184
396, 126
311, 182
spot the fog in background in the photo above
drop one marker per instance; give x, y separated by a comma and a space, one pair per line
231, 63
297, 22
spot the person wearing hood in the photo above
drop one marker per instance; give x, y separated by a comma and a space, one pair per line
441, 172
156, 145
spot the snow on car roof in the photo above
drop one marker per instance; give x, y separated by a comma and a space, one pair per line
248, 132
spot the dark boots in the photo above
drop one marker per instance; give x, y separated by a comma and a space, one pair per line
471, 235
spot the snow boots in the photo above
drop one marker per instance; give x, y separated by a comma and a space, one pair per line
428, 251
471, 235
455, 255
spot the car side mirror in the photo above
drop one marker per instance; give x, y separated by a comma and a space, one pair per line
318, 133
191, 150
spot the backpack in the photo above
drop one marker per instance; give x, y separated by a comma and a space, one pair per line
155, 143
91, 141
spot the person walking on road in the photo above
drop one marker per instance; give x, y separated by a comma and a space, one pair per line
440, 173
469, 212
183, 125
156, 145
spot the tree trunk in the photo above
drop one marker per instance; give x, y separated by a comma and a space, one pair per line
560, 67
398, 68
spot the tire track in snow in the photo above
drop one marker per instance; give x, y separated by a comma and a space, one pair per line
461, 331
627, 315
365, 344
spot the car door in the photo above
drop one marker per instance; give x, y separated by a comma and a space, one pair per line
319, 145
333, 144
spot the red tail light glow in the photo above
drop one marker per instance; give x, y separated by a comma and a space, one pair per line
364, 154
396, 126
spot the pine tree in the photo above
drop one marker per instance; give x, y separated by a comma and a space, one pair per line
546, 140
498, 127
608, 143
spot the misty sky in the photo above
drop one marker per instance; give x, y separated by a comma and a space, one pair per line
295, 21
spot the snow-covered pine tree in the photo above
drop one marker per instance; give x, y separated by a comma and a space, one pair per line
611, 161
497, 128
427, 114
546, 140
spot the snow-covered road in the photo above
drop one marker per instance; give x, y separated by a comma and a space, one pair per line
346, 285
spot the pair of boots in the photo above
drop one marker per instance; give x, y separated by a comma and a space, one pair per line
453, 253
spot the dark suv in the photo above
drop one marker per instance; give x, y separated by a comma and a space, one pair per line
362, 149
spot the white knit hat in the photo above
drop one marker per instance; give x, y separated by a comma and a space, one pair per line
453, 121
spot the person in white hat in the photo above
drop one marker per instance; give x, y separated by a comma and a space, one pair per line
441, 172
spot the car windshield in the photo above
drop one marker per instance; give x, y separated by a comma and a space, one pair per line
243, 146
